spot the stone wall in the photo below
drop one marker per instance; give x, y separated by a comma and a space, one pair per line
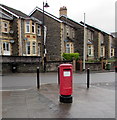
52, 66
53, 41
29, 64
20, 64
94, 66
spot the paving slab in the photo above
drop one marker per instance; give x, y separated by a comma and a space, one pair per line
94, 102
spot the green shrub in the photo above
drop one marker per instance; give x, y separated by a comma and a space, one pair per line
70, 56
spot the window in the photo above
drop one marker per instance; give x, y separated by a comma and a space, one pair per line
6, 46
73, 34
28, 48
5, 27
90, 50
33, 27
102, 51
67, 48
112, 52
67, 30
90, 35
38, 30
27, 26
39, 49
34, 47
0, 49
102, 38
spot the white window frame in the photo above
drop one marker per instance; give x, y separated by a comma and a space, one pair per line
27, 26
90, 35
6, 48
102, 51
112, 52
0, 49
33, 27
39, 30
5, 27
67, 31
33, 48
102, 38
90, 50
39, 49
73, 34
68, 48
28, 48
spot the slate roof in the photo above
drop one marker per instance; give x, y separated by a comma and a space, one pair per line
46, 13
17, 12
4, 16
67, 18
92, 27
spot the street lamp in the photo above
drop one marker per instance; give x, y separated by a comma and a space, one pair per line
44, 38
84, 45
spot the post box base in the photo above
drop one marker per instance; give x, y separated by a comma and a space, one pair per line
66, 98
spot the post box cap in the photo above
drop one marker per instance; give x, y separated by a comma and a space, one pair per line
66, 65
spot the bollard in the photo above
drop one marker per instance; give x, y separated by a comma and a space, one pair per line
116, 69
38, 80
88, 77
58, 77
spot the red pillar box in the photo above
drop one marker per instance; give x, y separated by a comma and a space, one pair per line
65, 81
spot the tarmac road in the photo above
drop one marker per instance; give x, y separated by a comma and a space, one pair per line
96, 102
28, 80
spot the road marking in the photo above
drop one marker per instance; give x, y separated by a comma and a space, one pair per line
14, 90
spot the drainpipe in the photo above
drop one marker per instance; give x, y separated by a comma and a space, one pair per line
20, 39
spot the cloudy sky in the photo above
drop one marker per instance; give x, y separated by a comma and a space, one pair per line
99, 13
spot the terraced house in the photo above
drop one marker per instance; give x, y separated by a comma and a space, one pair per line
102, 43
98, 44
65, 35
20, 34
60, 34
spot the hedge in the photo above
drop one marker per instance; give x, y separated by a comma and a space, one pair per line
70, 56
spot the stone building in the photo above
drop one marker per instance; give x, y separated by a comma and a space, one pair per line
20, 34
60, 34
102, 43
98, 44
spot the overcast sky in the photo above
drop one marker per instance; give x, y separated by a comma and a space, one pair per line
99, 13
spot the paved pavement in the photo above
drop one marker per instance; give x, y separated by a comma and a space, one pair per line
96, 102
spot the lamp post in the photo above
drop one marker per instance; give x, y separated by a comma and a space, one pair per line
44, 38
84, 45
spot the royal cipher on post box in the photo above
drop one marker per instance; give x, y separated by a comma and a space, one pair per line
65, 83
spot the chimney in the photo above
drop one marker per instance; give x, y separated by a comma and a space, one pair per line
63, 11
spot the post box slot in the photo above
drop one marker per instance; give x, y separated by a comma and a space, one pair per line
66, 69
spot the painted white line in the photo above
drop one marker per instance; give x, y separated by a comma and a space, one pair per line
14, 90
